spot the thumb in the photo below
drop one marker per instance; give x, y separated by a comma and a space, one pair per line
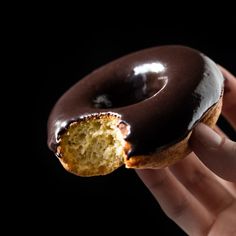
216, 152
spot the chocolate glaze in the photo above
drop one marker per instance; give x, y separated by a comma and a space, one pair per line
160, 92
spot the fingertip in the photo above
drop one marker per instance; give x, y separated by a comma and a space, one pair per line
229, 97
227, 75
216, 152
205, 137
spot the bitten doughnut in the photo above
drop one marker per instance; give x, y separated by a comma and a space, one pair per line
137, 111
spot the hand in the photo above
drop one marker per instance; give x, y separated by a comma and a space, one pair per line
196, 193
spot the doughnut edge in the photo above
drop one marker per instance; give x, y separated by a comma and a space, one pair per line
176, 152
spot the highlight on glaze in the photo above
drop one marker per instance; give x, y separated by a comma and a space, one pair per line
161, 93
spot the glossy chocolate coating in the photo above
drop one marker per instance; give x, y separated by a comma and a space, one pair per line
160, 92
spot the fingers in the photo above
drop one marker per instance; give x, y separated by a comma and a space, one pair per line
230, 186
217, 153
225, 223
220, 132
177, 202
229, 98
202, 183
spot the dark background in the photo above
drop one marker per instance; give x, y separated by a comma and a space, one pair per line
65, 54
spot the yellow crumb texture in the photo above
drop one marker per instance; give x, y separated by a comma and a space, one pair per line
93, 146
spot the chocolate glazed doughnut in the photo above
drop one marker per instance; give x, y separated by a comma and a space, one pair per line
138, 110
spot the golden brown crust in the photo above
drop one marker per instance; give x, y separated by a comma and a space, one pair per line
161, 159
103, 170
176, 152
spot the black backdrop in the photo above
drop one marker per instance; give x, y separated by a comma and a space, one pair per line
119, 200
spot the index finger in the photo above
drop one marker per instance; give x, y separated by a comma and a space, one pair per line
229, 98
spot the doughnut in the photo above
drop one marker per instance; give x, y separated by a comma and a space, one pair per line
138, 111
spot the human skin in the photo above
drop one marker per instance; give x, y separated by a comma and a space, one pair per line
199, 192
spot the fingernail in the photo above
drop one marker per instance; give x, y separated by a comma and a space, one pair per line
206, 136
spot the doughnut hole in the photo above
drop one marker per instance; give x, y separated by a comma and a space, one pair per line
94, 146
129, 91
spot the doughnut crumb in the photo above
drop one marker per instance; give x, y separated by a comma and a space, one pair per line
94, 145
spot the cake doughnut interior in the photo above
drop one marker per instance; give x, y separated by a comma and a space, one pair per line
138, 110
